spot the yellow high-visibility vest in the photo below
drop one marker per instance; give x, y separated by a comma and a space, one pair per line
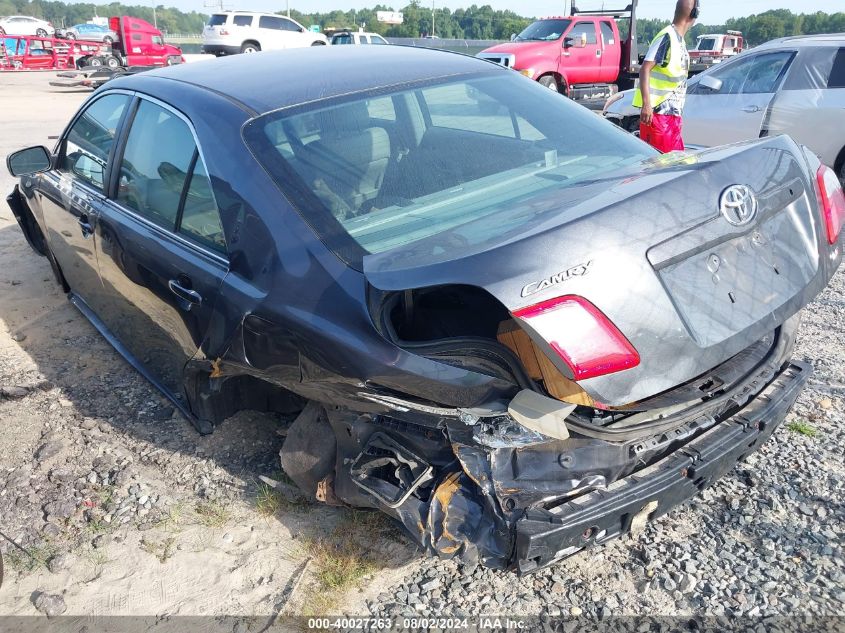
664, 80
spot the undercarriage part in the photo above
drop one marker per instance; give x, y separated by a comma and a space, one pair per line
388, 471
308, 454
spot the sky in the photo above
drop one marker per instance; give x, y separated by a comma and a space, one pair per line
712, 11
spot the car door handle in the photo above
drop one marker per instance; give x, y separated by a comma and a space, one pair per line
85, 226
191, 297
751, 109
598, 53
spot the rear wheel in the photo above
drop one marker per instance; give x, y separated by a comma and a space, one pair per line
41, 32
112, 62
250, 47
318, 43
96, 62
549, 81
70, 36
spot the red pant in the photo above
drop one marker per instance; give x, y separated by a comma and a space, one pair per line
664, 133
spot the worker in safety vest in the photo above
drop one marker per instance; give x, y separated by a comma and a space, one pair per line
663, 81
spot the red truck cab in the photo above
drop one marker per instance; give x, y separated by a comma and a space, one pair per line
714, 48
141, 44
581, 55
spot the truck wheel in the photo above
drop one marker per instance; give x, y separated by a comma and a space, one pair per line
41, 32
250, 47
548, 81
318, 43
82, 62
112, 62
96, 62
70, 36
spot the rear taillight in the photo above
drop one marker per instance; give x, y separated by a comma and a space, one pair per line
582, 336
832, 201
223, 32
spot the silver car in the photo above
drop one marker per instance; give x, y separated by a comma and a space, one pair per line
89, 32
793, 85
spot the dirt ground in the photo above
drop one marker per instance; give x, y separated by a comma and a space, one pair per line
114, 502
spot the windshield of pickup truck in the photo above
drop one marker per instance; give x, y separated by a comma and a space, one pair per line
473, 156
543, 30
706, 44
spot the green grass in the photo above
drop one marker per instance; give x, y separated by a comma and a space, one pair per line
801, 427
33, 558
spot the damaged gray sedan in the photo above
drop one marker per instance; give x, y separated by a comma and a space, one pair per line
497, 318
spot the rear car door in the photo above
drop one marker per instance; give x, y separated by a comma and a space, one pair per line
581, 61
161, 250
611, 52
737, 110
71, 195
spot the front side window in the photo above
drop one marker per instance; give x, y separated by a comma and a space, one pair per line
89, 141
378, 39
706, 44
270, 22
158, 40
162, 177
587, 30
288, 25
752, 75
466, 160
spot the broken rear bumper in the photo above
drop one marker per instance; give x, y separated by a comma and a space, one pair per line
546, 535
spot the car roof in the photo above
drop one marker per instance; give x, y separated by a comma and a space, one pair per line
800, 41
276, 79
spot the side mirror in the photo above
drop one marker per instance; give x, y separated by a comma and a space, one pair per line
31, 160
568, 42
513, 36
711, 83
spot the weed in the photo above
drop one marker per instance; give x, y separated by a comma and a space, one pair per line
162, 550
268, 501
30, 559
801, 427
212, 514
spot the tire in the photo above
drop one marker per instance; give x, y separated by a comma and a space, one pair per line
318, 43
631, 124
82, 62
96, 62
70, 36
250, 47
40, 33
112, 61
548, 81
108, 40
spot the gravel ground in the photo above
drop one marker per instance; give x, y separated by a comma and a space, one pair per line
765, 540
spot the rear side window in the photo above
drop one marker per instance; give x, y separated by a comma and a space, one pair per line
218, 19
815, 69
242, 20
90, 139
837, 73
607, 34
587, 28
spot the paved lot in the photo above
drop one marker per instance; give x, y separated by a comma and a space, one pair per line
121, 508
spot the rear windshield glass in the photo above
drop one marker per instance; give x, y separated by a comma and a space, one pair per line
217, 19
465, 156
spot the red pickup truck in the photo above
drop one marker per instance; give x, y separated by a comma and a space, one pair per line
581, 55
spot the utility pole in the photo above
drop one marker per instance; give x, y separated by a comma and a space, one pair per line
287, 3
432, 17
155, 21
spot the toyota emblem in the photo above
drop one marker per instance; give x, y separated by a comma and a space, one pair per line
738, 204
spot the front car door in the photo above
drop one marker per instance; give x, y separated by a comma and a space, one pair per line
161, 250
736, 111
72, 194
581, 59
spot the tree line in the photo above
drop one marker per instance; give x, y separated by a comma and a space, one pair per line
474, 22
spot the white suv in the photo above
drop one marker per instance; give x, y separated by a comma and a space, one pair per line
233, 32
351, 37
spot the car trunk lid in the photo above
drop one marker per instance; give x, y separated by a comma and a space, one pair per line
650, 248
